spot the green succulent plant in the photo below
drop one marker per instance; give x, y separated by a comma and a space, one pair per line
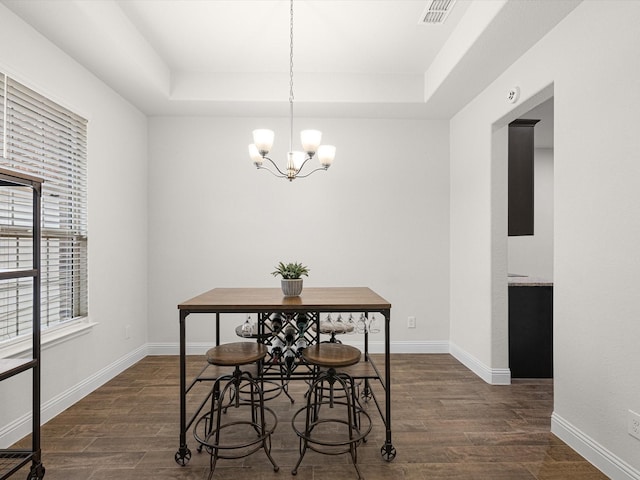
291, 271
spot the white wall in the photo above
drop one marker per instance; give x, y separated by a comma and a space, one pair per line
377, 218
117, 201
589, 63
533, 254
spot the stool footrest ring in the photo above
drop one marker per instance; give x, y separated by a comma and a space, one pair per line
203, 437
359, 434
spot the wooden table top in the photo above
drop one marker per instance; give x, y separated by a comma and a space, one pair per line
324, 299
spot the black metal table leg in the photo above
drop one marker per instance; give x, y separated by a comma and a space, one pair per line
387, 451
183, 455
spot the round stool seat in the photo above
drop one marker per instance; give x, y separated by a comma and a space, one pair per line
331, 355
238, 353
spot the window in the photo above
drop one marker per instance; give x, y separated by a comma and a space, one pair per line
49, 141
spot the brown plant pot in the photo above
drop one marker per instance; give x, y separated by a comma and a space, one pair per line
291, 287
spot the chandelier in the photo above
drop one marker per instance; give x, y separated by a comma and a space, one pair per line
310, 139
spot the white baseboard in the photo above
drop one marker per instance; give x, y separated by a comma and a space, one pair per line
198, 348
436, 346
21, 426
610, 464
493, 376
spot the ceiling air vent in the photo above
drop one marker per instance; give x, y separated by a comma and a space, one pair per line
436, 11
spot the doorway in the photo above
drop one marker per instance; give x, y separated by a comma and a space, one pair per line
501, 266
530, 256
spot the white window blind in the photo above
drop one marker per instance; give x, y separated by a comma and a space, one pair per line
47, 140
2, 93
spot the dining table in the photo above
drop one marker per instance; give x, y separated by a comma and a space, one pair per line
270, 304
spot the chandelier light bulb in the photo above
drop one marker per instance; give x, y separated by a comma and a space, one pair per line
310, 141
263, 140
254, 154
298, 160
326, 154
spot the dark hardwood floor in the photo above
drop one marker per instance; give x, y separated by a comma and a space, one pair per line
447, 424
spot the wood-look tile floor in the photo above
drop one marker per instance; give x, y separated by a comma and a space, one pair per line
447, 424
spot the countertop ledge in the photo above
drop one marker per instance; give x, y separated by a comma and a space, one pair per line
526, 281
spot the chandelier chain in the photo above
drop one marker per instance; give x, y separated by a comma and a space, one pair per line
291, 56
291, 79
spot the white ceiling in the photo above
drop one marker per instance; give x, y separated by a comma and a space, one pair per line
253, 36
351, 57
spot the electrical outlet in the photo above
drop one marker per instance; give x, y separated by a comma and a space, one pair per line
127, 332
634, 424
411, 322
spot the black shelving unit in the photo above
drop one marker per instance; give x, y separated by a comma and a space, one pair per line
12, 460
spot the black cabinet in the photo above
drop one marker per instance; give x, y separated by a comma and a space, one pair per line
521, 153
531, 331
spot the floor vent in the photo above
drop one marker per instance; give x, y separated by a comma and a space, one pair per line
436, 11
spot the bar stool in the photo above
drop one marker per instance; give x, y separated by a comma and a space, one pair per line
224, 431
329, 431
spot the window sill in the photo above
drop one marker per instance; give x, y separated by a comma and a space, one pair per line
51, 337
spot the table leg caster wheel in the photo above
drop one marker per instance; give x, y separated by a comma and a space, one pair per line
183, 456
36, 473
388, 452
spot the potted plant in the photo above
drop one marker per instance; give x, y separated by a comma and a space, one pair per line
291, 274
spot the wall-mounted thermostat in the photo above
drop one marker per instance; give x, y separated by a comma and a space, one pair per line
513, 95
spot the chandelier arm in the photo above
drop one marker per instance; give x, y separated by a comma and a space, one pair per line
271, 172
312, 171
275, 166
304, 163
